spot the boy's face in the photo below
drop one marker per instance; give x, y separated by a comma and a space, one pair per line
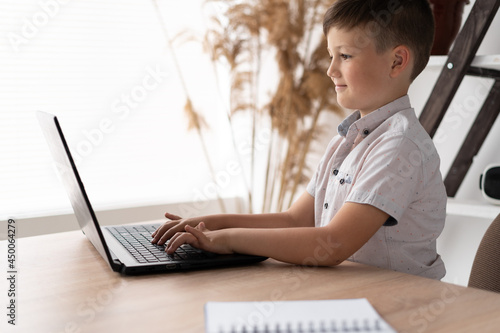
361, 75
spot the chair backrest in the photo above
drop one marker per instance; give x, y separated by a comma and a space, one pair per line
485, 273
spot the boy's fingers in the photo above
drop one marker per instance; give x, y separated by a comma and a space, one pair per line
201, 226
178, 239
172, 216
197, 233
172, 246
159, 231
167, 234
162, 231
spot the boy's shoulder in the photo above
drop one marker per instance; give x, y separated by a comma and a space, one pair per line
410, 143
405, 123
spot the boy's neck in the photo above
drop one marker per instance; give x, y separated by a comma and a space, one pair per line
389, 99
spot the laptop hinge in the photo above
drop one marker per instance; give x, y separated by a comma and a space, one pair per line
116, 265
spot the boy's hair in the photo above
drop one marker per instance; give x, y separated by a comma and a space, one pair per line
389, 23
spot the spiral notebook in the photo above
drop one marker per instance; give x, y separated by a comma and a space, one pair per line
340, 315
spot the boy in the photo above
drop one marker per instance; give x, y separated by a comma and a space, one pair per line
377, 196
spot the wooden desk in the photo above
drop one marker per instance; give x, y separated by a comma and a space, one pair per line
65, 286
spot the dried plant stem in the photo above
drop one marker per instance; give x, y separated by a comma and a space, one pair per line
252, 160
186, 91
286, 169
277, 170
255, 97
265, 200
282, 183
273, 170
285, 166
305, 150
256, 106
310, 28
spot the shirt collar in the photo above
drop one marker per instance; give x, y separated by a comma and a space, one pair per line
371, 121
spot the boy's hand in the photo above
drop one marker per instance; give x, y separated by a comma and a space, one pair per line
170, 228
201, 238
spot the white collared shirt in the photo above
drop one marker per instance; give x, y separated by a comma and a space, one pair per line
386, 159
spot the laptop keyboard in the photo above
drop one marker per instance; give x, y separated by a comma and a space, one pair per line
137, 240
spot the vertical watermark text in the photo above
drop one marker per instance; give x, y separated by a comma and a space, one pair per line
11, 309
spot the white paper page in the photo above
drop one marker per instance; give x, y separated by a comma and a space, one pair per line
294, 316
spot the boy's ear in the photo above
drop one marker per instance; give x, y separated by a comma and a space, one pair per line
401, 57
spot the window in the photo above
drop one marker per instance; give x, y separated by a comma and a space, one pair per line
105, 69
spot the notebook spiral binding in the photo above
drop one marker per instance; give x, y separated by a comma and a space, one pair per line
311, 327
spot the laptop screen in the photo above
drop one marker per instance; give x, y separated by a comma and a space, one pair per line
72, 182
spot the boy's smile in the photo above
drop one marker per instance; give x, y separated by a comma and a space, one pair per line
362, 76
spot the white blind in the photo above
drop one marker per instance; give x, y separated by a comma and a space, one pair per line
104, 68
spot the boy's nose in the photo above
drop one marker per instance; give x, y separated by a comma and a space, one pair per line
332, 71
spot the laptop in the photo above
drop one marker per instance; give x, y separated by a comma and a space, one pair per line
126, 248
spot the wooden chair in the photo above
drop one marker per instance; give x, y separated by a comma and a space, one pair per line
485, 273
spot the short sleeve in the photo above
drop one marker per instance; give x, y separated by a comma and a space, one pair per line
389, 176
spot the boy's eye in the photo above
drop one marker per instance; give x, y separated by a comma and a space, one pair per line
345, 56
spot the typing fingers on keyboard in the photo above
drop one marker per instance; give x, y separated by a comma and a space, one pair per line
179, 239
178, 228
154, 233
172, 218
164, 232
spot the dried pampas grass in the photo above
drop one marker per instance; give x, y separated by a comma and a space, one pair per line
287, 29
240, 37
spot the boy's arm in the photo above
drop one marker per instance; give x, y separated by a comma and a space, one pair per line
300, 214
351, 227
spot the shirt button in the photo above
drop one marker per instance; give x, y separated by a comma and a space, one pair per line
341, 181
366, 131
326, 205
335, 172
